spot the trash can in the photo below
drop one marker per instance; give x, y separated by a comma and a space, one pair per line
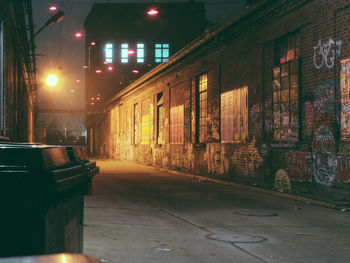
56, 258
41, 198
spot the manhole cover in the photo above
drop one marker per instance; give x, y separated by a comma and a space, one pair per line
235, 238
256, 213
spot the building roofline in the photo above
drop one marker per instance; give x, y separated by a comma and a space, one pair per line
190, 47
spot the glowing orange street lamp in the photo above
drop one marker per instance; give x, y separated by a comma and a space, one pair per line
52, 80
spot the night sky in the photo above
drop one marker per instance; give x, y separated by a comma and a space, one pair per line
59, 52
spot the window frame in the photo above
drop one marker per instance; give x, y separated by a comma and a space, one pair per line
201, 112
124, 55
140, 53
281, 102
164, 50
108, 52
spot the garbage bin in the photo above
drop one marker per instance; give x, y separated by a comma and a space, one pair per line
57, 258
41, 198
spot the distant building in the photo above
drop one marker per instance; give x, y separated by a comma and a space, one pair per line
17, 71
124, 42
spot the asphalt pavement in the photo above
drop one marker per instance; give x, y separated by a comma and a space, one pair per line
141, 214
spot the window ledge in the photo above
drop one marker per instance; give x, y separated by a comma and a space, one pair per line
199, 145
2, 138
158, 145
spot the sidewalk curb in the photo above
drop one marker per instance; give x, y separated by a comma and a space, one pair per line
246, 187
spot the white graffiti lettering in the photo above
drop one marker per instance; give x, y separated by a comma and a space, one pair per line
325, 54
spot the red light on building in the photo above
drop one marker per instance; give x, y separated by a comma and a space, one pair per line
92, 104
152, 12
98, 98
98, 71
85, 66
135, 71
52, 8
93, 43
78, 34
110, 68
131, 52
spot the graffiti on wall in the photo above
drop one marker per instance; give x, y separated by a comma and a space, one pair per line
324, 155
322, 165
296, 165
324, 98
309, 117
325, 54
255, 120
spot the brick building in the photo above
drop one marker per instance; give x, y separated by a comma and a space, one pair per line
17, 71
263, 99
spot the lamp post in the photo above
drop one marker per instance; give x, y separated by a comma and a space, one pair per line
56, 18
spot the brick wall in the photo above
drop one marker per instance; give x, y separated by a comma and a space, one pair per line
244, 55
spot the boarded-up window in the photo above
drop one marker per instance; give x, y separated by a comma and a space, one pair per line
234, 115
160, 118
177, 114
177, 124
345, 99
227, 116
201, 108
146, 121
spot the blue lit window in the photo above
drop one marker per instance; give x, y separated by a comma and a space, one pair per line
140, 53
161, 53
109, 53
124, 53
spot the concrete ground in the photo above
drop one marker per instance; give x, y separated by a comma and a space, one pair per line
140, 214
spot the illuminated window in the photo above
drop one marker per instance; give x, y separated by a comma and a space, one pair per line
286, 89
109, 53
161, 53
140, 53
234, 115
124, 53
145, 121
177, 114
201, 108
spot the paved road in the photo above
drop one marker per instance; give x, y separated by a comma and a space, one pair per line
144, 215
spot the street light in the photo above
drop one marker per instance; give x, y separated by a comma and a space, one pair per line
52, 80
56, 18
